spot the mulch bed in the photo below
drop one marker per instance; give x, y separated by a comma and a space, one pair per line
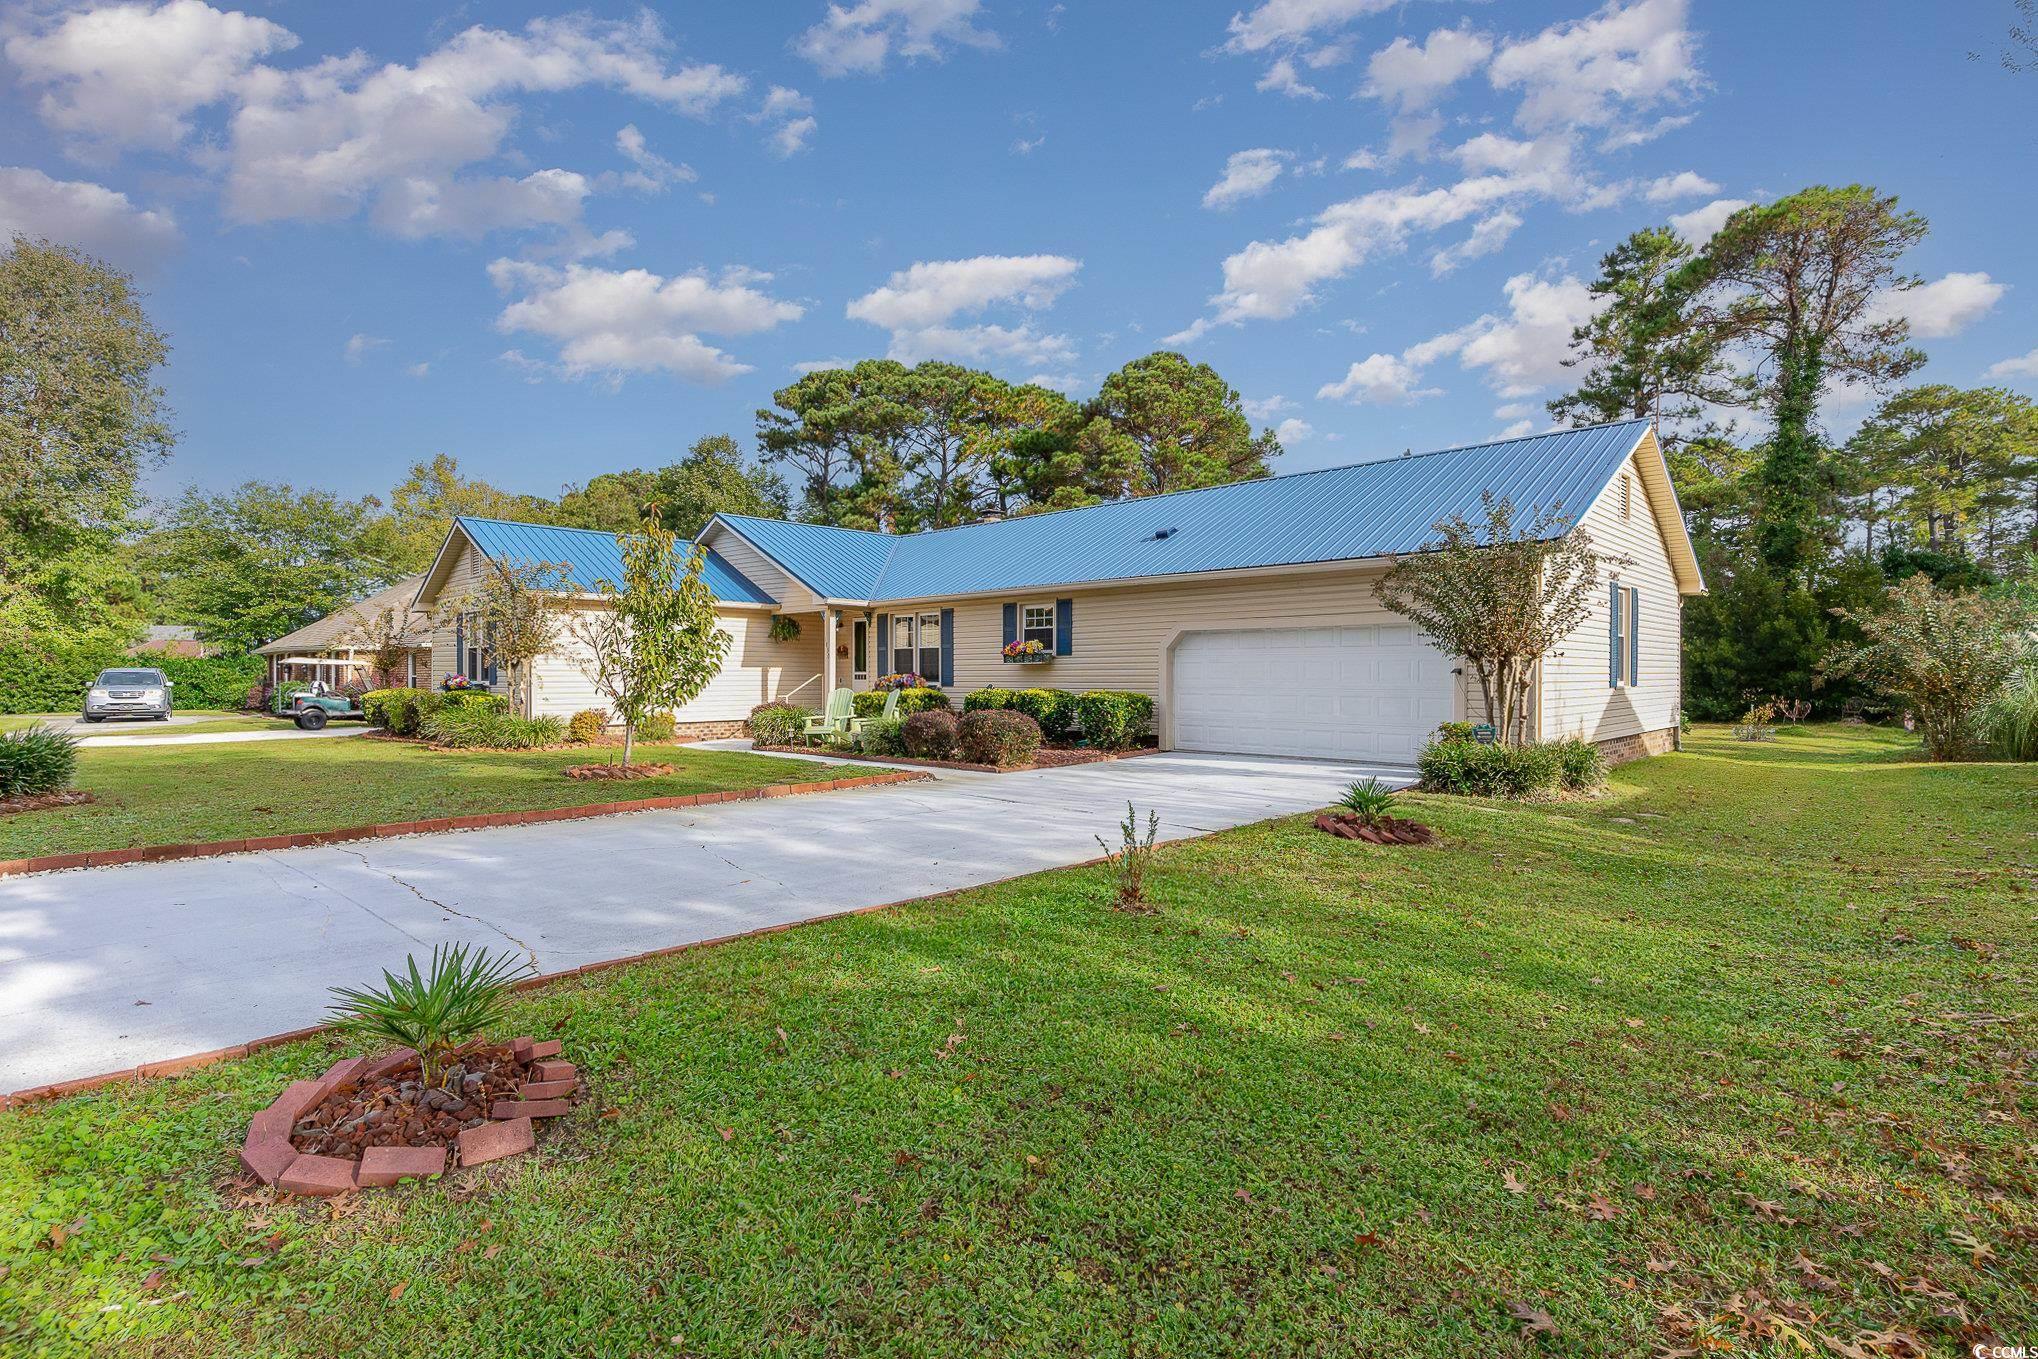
369, 1123
1047, 757
36, 802
1388, 830
617, 771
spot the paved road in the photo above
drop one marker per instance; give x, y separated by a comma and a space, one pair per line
103, 969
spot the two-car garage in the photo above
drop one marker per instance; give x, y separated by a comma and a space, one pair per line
1372, 692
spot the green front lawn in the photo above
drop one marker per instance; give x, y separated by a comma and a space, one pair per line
1732, 1061
179, 794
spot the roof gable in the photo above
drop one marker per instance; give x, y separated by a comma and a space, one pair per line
1352, 513
586, 556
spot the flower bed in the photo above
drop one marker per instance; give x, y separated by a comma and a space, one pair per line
365, 1124
1385, 830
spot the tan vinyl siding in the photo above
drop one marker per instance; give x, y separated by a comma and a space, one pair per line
755, 670
792, 596
1577, 698
1122, 638
462, 577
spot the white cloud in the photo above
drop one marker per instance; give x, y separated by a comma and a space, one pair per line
931, 292
1640, 134
428, 206
420, 369
653, 171
860, 38
919, 304
1379, 380
1294, 431
822, 365
84, 215
1282, 79
1683, 184
1596, 71
1519, 429
1412, 75
609, 322
1489, 234
1525, 351
792, 112
1267, 409
358, 345
2026, 366
1943, 307
1275, 23
1698, 225
1247, 174
1024, 146
133, 74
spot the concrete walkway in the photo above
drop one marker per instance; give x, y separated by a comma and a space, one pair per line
102, 969
123, 741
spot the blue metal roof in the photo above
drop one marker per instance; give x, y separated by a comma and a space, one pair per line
1368, 509
589, 555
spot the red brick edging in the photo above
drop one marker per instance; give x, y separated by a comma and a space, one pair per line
148, 854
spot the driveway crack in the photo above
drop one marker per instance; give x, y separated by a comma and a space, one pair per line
415, 891
363, 906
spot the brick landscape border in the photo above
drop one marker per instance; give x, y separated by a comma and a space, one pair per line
149, 854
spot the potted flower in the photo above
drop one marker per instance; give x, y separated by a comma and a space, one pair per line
1027, 653
904, 680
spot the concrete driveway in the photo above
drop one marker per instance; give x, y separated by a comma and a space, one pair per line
102, 969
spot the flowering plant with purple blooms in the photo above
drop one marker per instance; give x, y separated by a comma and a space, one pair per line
1026, 651
905, 680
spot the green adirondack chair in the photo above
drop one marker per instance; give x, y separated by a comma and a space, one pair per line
857, 724
835, 721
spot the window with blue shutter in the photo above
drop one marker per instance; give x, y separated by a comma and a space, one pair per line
1614, 649
948, 648
1634, 636
1064, 627
1011, 624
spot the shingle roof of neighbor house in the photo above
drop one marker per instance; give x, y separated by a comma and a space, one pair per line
1364, 510
593, 555
330, 632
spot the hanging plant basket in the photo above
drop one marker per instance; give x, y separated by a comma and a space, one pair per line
784, 628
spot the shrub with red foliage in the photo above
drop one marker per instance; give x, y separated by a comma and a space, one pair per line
997, 736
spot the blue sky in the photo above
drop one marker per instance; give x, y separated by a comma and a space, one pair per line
553, 242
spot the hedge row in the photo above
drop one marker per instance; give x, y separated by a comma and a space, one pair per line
36, 681
403, 712
1110, 719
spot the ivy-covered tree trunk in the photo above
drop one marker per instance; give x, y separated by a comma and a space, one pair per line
1789, 528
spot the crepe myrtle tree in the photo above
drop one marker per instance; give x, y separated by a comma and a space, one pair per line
510, 607
387, 635
656, 642
1499, 594
1939, 653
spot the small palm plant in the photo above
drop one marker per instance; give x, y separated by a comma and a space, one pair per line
457, 996
1130, 861
1370, 800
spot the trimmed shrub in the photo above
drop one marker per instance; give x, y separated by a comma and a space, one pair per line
36, 759
922, 699
1113, 719
395, 710
929, 735
1581, 765
33, 680
587, 725
990, 699
994, 737
432, 701
777, 724
657, 727
468, 725
882, 736
1053, 709
1454, 731
1472, 770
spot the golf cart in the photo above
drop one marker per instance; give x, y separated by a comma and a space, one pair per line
318, 703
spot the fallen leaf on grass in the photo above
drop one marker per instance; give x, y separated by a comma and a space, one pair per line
1373, 1239
1534, 1320
1601, 1209
154, 1280
1511, 1184
397, 1291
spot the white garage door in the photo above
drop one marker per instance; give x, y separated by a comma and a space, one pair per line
1367, 693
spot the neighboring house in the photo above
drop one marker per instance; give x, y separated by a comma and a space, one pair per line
1247, 611
338, 649
170, 639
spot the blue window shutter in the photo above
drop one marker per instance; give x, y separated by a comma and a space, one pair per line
881, 664
1064, 627
1011, 624
948, 648
460, 643
1634, 636
1613, 648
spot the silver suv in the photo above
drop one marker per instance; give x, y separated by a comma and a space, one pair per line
128, 693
